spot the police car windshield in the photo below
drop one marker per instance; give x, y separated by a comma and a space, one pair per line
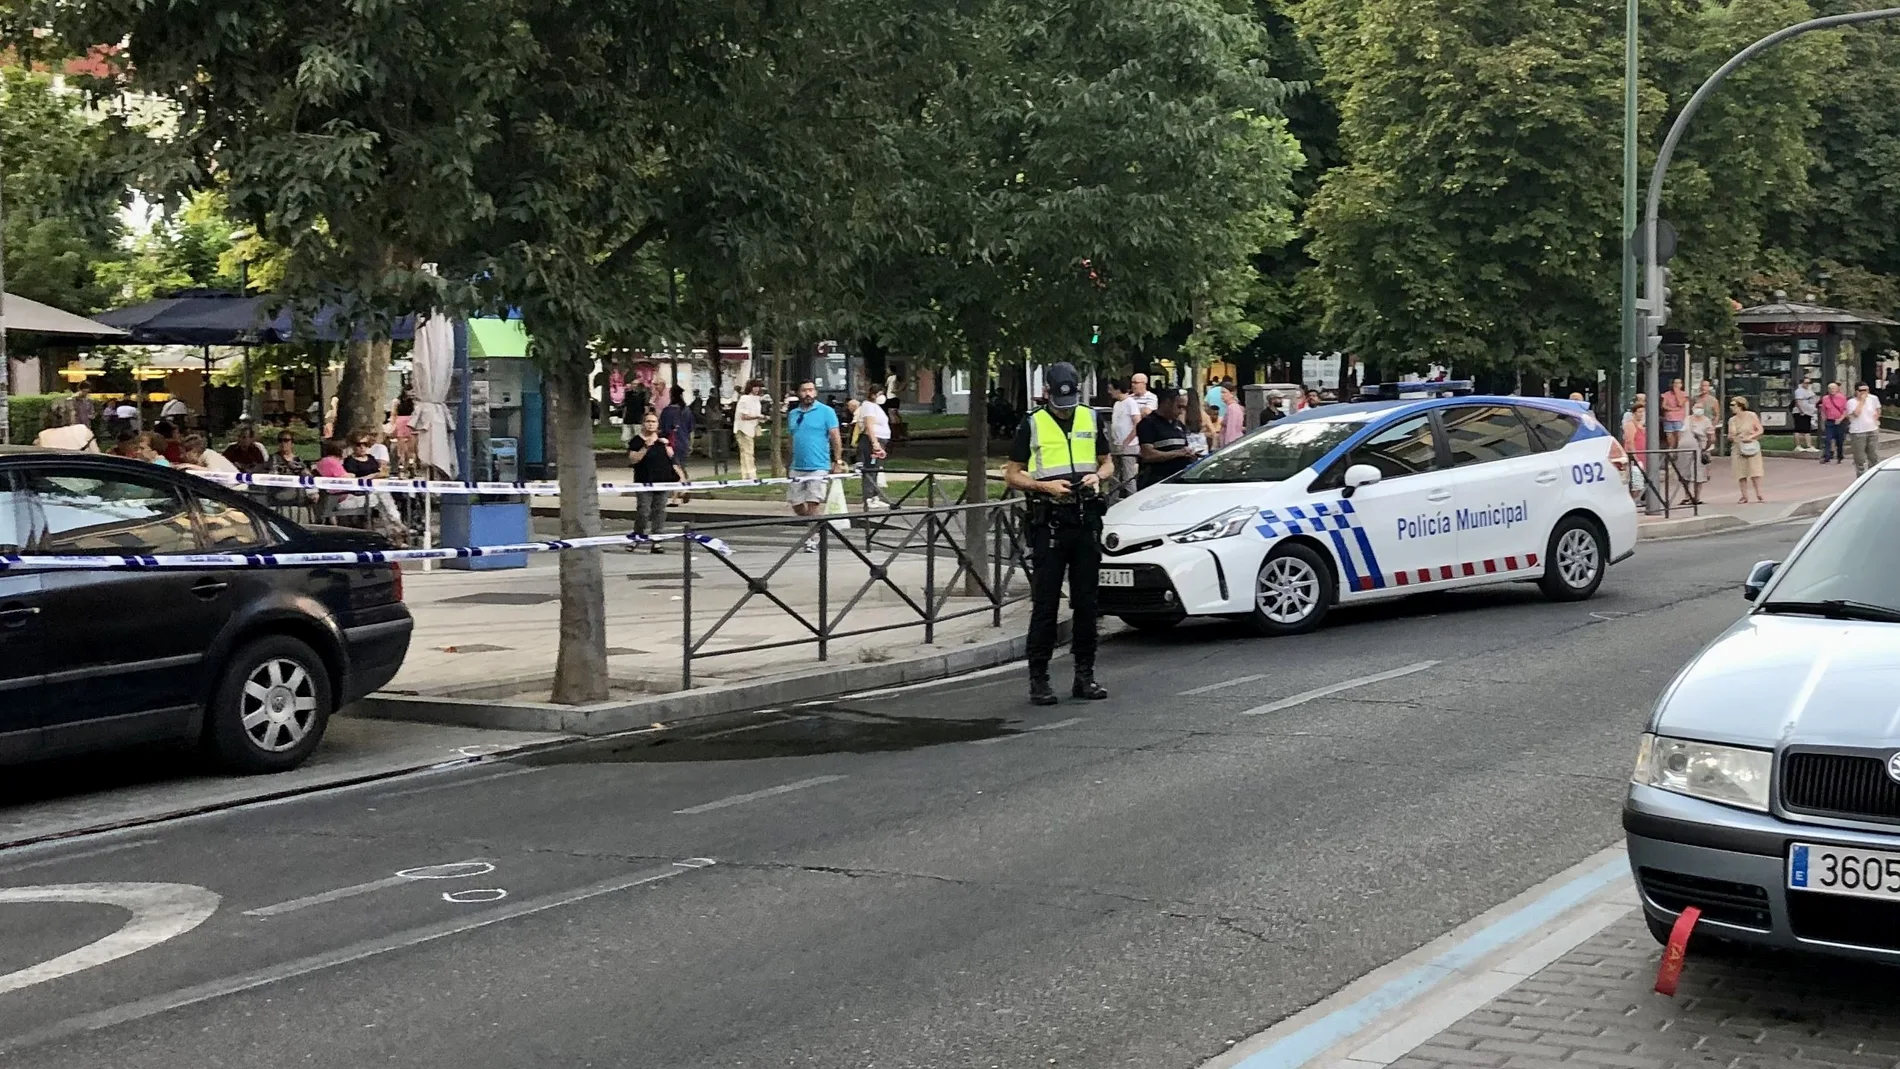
1276, 453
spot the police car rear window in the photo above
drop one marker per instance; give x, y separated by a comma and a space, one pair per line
1554, 429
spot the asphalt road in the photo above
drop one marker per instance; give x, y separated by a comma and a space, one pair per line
935, 877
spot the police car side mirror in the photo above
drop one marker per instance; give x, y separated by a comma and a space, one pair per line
1361, 475
1758, 577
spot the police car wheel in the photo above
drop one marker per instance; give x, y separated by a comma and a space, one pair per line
1575, 560
1293, 592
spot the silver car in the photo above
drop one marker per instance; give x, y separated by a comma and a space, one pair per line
1767, 788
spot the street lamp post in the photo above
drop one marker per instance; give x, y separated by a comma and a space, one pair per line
1652, 265
1629, 346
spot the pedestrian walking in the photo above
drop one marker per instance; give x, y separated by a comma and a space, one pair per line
748, 414
1165, 449
652, 457
1863, 428
676, 422
817, 452
1056, 463
1127, 415
1806, 408
1744, 435
1834, 424
874, 443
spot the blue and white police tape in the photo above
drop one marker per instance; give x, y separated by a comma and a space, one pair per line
11, 561
447, 488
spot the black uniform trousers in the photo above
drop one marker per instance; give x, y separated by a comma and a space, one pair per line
1058, 551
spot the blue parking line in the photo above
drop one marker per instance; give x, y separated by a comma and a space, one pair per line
1299, 1048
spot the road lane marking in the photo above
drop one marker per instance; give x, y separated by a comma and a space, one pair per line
77, 855
475, 895
455, 870
491, 777
160, 911
1302, 699
1071, 722
1212, 687
753, 796
232, 985
1374, 1015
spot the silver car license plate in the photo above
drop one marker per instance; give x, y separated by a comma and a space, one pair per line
1836, 870
1117, 577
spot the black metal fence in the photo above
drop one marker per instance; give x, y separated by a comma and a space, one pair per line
1666, 479
974, 551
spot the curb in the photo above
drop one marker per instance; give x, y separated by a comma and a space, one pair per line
693, 708
1695, 525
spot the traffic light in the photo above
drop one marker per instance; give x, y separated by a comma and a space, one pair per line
1655, 311
1096, 337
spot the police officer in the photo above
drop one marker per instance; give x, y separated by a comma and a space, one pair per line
1059, 464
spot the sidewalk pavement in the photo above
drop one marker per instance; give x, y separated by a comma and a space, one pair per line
1792, 486
494, 634
1595, 1008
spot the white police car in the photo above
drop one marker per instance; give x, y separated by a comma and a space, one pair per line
1358, 502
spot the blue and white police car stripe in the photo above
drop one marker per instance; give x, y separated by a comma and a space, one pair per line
1337, 521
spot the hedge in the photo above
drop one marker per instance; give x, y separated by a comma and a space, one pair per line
27, 414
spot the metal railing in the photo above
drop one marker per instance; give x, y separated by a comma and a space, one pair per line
1681, 471
941, 535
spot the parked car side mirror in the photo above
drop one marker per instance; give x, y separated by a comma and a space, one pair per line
1361, 475
1758, 577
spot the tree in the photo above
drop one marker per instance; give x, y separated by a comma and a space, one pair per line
63, 195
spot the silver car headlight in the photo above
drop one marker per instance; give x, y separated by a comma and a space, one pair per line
1225, 525
1730, 775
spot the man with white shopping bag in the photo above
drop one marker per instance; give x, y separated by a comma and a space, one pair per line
817, 451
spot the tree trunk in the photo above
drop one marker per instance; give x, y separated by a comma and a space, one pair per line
580, 666
776, 425
715, 415
359, 390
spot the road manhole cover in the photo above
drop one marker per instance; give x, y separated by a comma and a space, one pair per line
502, 597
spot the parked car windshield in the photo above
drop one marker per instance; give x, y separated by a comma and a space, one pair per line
1850, 569
1277, 453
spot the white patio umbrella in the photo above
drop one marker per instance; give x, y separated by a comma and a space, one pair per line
434, 367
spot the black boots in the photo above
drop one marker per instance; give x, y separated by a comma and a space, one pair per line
1086, 687
1040, 692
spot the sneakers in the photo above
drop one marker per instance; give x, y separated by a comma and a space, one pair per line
809, 545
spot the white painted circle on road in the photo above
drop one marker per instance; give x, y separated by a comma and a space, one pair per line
475, 895
160, 911
454, 870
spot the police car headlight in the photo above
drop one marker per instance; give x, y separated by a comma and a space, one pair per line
1225, 525
1730, 775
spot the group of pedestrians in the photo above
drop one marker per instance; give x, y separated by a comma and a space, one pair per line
1848, 425
1148, 440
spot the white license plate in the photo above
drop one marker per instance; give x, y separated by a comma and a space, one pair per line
1118, 577
1837, 870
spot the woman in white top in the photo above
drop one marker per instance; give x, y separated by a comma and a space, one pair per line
60, 432
1697, 434
746, 417
874, 426
198, 456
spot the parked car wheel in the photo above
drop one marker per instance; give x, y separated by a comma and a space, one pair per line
1574, 560
271, 706
1293, 592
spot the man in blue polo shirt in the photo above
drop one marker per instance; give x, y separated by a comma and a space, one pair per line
817, 451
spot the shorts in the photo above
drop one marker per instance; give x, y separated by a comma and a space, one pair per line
1803, 423
812, 492
1672, 425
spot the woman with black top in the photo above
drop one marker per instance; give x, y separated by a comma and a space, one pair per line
652, 457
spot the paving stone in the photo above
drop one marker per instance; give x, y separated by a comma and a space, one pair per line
1594, 1009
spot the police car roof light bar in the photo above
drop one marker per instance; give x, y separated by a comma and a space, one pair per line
1396, 391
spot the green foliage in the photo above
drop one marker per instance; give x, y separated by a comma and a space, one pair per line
183, 250
27, 414
62, 196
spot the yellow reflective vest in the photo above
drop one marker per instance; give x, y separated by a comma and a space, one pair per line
1055, 453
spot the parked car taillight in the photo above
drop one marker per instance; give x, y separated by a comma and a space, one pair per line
1619, 458
395, 572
